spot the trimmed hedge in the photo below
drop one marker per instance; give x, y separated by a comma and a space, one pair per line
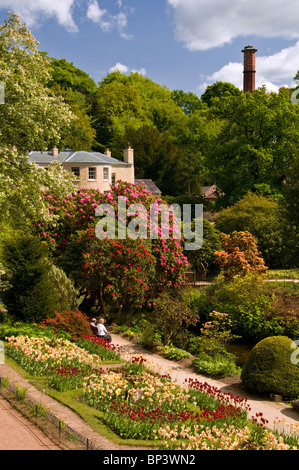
270, 368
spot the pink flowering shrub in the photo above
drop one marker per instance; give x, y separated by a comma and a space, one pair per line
120, 271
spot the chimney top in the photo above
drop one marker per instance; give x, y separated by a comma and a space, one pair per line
55, 151
107, 152
129, 154
249, 48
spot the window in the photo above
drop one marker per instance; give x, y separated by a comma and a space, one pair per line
113, 179
105, 173
91, 173
76, 172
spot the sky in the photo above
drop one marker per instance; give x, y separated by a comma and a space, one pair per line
183, 44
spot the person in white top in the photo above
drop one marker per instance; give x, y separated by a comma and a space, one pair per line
102, 330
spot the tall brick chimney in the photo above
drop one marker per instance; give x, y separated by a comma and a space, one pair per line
249, 68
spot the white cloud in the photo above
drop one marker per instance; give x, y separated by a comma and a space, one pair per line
274, 71
120, 67
125, 69
204, 24
35, 12
106, 21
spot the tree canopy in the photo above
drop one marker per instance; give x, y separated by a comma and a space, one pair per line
32, 117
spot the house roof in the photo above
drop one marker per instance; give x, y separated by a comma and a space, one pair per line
78, 157
149, 184
209, 192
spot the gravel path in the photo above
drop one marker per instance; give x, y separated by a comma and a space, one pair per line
18, 434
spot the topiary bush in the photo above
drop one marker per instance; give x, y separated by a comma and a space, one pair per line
272, 367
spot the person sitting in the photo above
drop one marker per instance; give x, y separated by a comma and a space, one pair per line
102, 331
93, 326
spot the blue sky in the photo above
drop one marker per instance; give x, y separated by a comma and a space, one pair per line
183, 44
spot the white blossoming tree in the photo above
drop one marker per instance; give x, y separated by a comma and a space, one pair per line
31, 118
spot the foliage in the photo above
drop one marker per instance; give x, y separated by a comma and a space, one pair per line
155, 155
73, 322
188, 101
263, 218
249, 302
290, 236
70, 77
256, 144
147, 335
209, 347
67, 295
203, 260
172, 317
29, 330
240, 255
31, 295
32, 117
217, 330
270, 368
218, 90
173, 353
221, 364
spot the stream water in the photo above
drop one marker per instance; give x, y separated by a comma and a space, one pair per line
241, 352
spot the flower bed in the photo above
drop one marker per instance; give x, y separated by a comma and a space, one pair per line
96, 345
137, 402
39, 355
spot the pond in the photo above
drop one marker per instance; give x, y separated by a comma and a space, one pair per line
241, 352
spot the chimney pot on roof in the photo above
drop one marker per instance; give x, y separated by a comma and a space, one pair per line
129, 155
108, 153
55, 151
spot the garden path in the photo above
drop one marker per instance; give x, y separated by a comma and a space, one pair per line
18, 434
181, 370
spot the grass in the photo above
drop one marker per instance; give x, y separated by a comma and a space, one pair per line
283, 273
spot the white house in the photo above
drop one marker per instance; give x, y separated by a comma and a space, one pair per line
92, 170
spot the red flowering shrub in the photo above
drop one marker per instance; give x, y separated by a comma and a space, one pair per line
240, 255
73, 322
120, 271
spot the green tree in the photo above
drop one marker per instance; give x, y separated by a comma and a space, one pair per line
260, 216
155, 156
31, 117
256, 144
31, 296
132, 101
70, 77
78, 91
291, 214
219, 90
188, 101
203, 260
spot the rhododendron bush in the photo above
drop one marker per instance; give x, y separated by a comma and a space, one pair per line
240, 255
121, 270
